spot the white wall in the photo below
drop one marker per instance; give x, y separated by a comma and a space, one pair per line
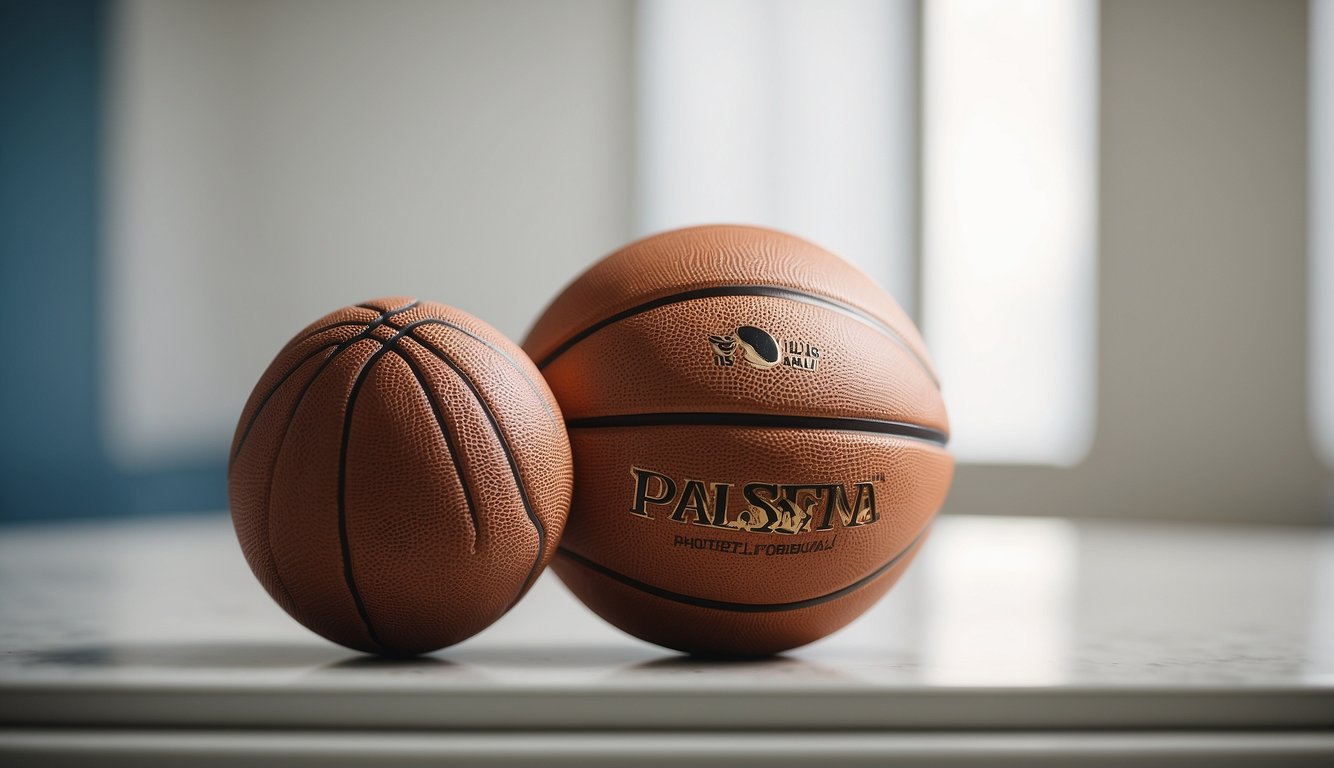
1202, 276
272, 161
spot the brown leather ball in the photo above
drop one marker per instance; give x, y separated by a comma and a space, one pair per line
399, 476
758, 439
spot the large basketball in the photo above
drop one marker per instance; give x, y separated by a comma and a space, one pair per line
399, 476
758, 439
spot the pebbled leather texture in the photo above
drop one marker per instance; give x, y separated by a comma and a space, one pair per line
663, 359
400, 476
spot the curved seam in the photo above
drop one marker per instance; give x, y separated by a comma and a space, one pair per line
770, 420
370, 325
773, 291
287, 428
273, 465
324, 328
542, 398
348, 576
723, 605
509, 457
383, 313
449, 444
282, 443
245, 434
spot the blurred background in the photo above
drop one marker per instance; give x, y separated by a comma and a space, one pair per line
1114, 221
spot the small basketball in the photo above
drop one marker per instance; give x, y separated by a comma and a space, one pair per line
399, 476
758, 438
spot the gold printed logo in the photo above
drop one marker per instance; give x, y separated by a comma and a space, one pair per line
761, 507
759, 349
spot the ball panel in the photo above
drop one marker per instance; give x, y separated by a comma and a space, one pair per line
750, 515
408, 519
698, 257
496, 563
282, 371
694, 357
304, 530
713, 632
494, 349
251, 477
526, 415
340, 318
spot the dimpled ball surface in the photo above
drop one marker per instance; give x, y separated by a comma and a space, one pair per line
758, 438
399, 476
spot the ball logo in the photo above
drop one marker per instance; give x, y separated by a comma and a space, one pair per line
759, 349
765, 508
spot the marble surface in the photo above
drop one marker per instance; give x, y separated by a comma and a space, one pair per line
1002, 623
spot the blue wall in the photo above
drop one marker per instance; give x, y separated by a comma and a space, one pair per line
53, 461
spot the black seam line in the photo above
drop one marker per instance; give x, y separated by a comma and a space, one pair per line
382, 312
324, 328
268, 395
773, 291
348, 413
773, 421
509, 457
723, 605
365, 333
449, 443
339, 347
542, 398
282, 442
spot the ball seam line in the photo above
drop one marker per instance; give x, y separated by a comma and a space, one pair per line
282, 442
348, 574
772, 291
508, 358
269, 395
509, 457
365, 333
768, 420
449, 444
725, 605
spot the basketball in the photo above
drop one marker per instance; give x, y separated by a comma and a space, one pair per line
758, 439
399, 476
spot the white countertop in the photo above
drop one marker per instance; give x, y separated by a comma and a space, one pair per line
1003, 624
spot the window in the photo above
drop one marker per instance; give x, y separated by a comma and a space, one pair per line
1322, 227
793, 115
801, 115
1008, 231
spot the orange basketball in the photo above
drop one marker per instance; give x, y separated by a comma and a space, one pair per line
399, 476
758, 439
